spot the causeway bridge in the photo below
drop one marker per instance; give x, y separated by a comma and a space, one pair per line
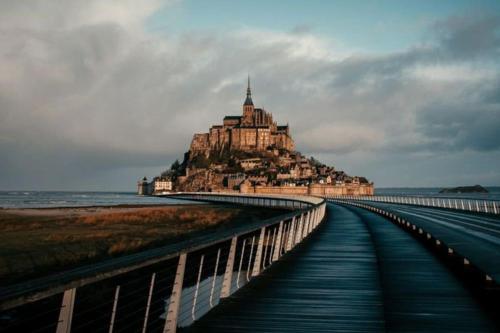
337, 264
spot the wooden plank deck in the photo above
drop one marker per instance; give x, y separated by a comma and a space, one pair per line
357, 273
329, 284
476, 236
420, 294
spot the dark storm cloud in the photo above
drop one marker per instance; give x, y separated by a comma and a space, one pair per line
469, 37
461, 127
86, 91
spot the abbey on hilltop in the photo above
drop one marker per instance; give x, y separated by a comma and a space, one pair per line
255, 130
251, 153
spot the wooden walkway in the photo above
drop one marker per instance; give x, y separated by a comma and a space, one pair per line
357, 273
330, 283
420, 294
477, 237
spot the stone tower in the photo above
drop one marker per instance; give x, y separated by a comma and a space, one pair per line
248, 107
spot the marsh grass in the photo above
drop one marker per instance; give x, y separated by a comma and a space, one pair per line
37, 244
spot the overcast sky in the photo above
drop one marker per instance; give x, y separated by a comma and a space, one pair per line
96, 94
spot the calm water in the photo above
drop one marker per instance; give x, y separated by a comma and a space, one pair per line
494, 192
38, 199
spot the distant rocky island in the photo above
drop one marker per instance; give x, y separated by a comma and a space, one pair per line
465, 189
251, 153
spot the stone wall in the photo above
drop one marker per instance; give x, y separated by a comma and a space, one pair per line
314, 189
218, 138
200, 142
283, 140
250, 138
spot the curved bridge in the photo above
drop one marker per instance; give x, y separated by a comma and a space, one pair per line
165, 288
352, 264
375, 267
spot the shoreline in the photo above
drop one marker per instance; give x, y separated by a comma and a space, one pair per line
40, 241
96, 208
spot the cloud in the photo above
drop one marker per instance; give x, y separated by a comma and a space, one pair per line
85, 87
340, 138
469, 37
461, 127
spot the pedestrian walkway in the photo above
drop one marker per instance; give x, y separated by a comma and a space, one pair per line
420, 294
357, 273
332, 284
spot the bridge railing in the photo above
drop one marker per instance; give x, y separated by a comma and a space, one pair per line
466, 204
164, 289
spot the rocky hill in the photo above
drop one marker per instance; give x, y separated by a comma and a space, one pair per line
252, 153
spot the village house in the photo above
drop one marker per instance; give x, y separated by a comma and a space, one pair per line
162, 184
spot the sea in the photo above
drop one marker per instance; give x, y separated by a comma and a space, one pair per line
51, 199
493, 192
48, 199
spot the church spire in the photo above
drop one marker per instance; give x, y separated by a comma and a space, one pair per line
248, 100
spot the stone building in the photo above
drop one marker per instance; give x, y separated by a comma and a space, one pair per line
251, 153
144, 187
234, 181
162, 184
254, 130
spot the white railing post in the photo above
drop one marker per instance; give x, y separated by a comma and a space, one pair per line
195, 297
113, 312
258, 254
306, 225
277, 247
298, 236
250, 259
66, 312
214, 279
284, 237
291, 234
316, 217
175, 297
266, 241
241, 263
148, 304
313, 214
311, 224
273, 241
228, 274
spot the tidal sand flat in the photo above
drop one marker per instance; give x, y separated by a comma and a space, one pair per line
40, 241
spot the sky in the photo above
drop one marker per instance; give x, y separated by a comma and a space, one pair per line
97, 94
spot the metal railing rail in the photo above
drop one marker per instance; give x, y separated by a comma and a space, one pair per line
169, 288
465, 204
465, 267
